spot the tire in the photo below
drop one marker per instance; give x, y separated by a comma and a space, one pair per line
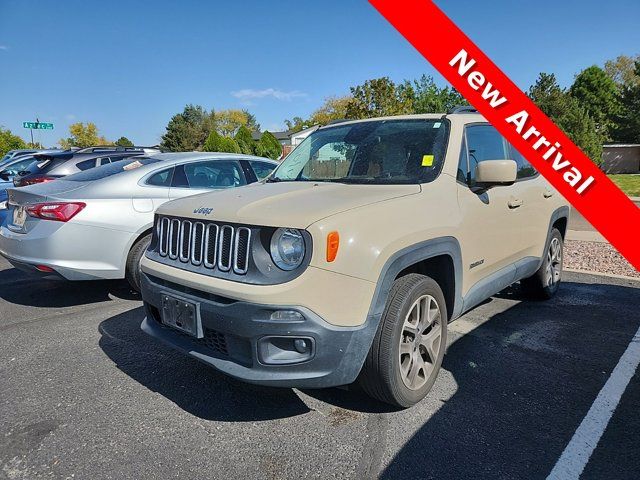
132, 271
544, 284
386, 374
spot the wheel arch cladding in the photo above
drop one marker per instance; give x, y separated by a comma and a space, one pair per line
439, 258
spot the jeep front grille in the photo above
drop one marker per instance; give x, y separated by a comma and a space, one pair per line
215, 246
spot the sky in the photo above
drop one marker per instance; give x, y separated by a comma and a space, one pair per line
128, 66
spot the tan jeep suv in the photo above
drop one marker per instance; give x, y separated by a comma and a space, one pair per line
348, 262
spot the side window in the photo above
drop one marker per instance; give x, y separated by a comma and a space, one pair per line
483, 143
161, 179
210, 174
87, 164
104, 161
261, 169
525, 169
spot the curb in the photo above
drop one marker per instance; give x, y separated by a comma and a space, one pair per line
600, 274
635, 199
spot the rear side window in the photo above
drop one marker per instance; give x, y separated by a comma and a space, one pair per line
17, 167
87, 164
104, 161
111, 169
261, 169
161, 179
209, 174
525, 169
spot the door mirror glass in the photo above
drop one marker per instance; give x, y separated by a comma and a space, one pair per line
492, 173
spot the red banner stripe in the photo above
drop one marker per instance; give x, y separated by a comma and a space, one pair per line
439, 40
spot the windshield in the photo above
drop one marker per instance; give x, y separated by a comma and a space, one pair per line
371, 152
111, 169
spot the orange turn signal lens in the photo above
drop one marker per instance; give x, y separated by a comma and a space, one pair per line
333, 243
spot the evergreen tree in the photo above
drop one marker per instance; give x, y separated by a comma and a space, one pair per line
217, 143
124, 142
268, 146
245, 141
627, 128
598, 95
187, 131
567, 113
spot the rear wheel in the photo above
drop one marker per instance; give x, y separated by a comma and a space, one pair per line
545, 282
132, 273
407, 351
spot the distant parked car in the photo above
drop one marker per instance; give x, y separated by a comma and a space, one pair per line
97, 224
51, 166
14, 154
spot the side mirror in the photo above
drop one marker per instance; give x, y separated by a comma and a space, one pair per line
5, 176
493, 173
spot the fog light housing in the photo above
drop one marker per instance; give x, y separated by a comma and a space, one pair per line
287, 316
274, 350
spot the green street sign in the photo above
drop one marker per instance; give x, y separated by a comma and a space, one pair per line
38, 125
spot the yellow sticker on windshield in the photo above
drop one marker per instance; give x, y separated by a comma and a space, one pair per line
427, 160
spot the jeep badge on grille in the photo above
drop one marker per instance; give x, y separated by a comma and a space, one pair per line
203, 210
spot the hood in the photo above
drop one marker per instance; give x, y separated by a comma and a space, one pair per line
286, 204
41, 192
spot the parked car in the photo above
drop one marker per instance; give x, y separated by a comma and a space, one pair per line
96, 224
14, 154
350, 260
51, 166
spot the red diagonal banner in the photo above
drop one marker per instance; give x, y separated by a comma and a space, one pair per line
503, 104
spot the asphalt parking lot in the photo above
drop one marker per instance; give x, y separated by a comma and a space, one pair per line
85, 394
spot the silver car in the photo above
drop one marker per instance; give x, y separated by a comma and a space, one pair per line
97, 224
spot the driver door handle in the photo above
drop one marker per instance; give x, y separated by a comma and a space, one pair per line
515, 202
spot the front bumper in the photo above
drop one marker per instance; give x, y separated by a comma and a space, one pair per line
235, 333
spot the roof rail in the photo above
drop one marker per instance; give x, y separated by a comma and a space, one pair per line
463, 109
114, 148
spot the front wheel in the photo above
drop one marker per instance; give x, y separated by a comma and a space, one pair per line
545, 282
407, 351
132, 273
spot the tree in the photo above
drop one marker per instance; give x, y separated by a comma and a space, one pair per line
187, 131
568, 115
82, 135
9, 141
244, 138
427, 97
598, 95
333, 108
377, 98
628, 121
268, 146
622, 71
296, 124
217, 143
124, 142
229, 121
252, 123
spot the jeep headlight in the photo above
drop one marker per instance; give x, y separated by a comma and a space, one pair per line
287, 248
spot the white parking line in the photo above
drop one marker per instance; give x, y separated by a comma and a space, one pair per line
584, 441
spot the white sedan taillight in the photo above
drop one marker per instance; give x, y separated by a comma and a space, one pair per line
58, 211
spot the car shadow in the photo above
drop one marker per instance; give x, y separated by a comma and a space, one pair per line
525, 377
190, 384
20, 288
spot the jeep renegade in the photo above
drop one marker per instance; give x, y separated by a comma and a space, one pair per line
347, 263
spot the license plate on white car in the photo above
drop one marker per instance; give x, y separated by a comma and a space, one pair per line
182, 315
19, 216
